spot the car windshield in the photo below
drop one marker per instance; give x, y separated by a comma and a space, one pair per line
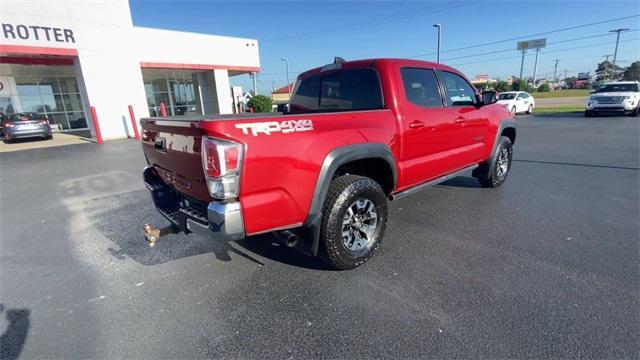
507, 96
23, 117
618, 88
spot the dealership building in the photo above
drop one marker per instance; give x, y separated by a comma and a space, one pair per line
59, 58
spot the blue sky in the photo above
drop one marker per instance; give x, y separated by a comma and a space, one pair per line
310, 33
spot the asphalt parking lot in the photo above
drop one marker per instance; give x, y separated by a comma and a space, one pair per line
544, 267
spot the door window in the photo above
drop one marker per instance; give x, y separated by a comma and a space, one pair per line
421, 87
459, 92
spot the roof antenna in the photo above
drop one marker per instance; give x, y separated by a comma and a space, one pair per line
338, 60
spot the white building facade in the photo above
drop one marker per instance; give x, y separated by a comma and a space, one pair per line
59, 58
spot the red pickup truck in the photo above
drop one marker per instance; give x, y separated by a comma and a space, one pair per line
357, 134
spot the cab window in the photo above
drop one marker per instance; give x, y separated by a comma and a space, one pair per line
342, 90
421, 87
459, 92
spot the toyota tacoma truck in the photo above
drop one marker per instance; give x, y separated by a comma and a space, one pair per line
357, 135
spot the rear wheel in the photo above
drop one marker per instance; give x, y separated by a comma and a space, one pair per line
493, 173
353, 222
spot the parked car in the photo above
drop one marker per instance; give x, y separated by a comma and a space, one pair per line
517, 102
358, 134
25, 125
621, 97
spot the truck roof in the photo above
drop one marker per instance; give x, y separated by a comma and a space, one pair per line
371, 62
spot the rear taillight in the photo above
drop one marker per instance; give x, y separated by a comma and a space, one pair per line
44, 122
8, 125
221, 162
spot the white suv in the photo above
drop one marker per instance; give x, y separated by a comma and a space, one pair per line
622, 97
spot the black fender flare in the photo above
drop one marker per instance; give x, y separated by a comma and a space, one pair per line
336, 158
504, 124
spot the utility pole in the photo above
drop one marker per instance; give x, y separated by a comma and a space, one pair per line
288, 87
255, 86
615, 53
439, 38
555, 70
535, 68
524, 51
606, 65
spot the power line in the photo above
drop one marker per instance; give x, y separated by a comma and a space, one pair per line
529, 35
500, 51
404, 15
551, 43
546, 52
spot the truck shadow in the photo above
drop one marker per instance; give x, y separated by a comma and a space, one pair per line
13, 339
461, 182
120, 218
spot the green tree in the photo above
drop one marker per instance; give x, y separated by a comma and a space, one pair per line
521, 85
544, 88
606, 71
260, 103
502, 86
632, 73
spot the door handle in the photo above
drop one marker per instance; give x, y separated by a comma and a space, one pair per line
416, 124
460, 119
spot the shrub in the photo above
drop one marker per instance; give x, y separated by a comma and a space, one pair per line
260, 103
544, 88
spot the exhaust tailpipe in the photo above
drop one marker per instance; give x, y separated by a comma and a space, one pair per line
286, 238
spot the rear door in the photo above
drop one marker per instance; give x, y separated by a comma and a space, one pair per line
427, 129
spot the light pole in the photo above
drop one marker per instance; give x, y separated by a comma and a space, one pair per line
555, 70
439, 38
255, 86
535, 68
524, 51
288, 87
606, 65
615, 53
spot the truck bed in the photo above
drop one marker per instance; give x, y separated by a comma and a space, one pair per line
214, 117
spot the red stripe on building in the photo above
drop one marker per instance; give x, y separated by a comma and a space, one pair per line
158, 65
36, 50
25, 60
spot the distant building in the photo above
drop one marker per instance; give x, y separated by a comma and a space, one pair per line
281, 95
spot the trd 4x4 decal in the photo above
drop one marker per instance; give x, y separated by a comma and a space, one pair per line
285, 127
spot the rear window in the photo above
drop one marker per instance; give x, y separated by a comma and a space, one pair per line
24, 117
343, 90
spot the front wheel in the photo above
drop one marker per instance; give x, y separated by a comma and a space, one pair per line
494, 172
588, 113
530, 109
353, 222
513, 111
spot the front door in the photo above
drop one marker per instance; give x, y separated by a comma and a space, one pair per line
472, 122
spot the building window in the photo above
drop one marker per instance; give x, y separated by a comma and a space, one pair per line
56, 97
176, 92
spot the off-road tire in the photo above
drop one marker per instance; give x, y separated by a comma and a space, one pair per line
487, 172
343, 192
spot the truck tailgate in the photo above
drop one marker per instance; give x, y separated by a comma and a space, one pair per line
172, 148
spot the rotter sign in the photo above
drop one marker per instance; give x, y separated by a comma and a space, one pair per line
532, 44
37, 32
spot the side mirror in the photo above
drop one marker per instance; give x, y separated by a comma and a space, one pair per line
488, 97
